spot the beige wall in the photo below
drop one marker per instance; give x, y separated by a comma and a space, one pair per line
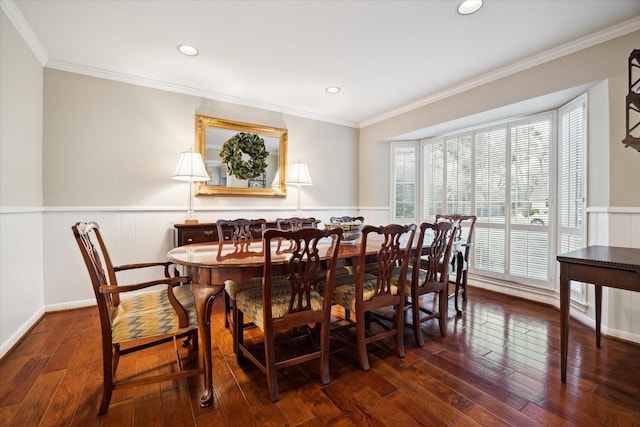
21, 231
21, 118
115, 144
604, 62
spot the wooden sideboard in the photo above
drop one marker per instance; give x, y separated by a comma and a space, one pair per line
186, 234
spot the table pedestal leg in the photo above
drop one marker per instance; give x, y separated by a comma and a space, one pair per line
204, 296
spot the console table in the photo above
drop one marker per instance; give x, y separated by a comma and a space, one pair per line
603, 266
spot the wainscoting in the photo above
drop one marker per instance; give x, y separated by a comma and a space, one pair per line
42, 269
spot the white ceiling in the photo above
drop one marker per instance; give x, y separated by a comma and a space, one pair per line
387, 56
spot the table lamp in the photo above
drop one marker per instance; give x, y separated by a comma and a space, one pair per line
191, 169
298, 175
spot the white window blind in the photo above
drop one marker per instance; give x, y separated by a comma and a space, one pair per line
404, 157
489, 249
571, 183
529, 190
433, 170
459, 174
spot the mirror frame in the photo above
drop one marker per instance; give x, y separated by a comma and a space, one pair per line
202, 189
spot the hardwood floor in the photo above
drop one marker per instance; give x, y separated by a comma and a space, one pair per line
499, 365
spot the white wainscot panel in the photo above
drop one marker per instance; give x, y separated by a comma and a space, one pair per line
21, 275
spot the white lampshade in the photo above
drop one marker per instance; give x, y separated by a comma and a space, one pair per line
191, 168
298, 174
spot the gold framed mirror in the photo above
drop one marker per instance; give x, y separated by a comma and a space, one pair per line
260, 158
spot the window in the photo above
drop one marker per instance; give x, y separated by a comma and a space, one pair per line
571, 189
404, 192
505, 174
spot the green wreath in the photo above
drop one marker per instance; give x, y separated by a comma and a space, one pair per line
248, 143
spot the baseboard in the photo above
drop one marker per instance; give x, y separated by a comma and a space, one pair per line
69, 305
6, 346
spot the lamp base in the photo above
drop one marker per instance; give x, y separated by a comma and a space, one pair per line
191, 218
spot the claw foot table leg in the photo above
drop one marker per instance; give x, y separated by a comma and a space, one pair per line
204, 295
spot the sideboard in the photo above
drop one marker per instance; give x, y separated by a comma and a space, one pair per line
186, 234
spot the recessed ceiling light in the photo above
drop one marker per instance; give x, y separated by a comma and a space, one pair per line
185, 49
467, 7
332, 89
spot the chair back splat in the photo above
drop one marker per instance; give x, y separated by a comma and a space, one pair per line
288, 302
241, 228
295, 223
155, 315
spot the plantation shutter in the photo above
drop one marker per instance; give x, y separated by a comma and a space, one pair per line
404, 157
571, 183
433, 170
459, 175
490, 200
529, 188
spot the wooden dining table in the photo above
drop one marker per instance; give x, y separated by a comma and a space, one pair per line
209, 265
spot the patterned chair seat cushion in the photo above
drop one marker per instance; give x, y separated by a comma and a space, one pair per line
370, 268
344, 291
321, 277
424, 260
422, 274
232, 288
249, 301
395, 275
150, 314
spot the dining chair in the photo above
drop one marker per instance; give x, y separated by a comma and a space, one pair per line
364, 294
294, 223
155, 316
277, 308
241, 230
463, 241
429, 275
346, 219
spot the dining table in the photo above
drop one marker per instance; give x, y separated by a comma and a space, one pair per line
209, 265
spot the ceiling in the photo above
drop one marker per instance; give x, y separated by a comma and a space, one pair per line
386, 56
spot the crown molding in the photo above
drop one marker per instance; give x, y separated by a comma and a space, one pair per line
596, 38
15, 16
186, 90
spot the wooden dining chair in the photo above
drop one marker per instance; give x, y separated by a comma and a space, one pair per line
346, 219
278, 308
155, 316
294, 223
241, 230
363, 294
463, 240
428, 274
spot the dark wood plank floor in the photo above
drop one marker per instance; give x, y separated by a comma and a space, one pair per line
499, 365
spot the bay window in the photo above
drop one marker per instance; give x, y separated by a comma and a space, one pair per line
509, 175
